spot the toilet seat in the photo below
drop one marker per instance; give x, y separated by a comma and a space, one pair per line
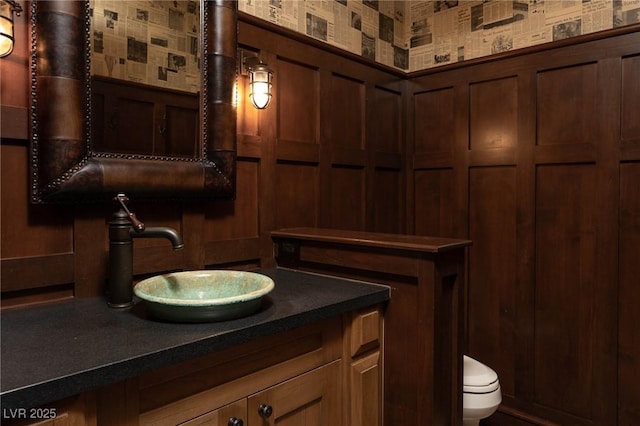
478, 378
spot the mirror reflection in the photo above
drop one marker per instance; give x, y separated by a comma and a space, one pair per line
145, 76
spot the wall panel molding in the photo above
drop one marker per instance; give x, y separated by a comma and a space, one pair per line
25, 273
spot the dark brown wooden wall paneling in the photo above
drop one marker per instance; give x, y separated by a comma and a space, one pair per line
629, 296
297, 201
433, 135
493, 136
535, 159
36, 241
345, 143
629, 292
385, 136
336, 138
630, 132
236, 232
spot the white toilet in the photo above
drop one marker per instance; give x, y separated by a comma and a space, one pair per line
481, 392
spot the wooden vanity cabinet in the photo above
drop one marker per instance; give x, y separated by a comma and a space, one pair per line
327, 373
258, 372
311, 399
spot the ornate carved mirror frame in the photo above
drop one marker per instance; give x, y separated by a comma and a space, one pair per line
65, 168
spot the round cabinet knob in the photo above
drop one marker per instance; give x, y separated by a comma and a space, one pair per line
234, 421
265, 410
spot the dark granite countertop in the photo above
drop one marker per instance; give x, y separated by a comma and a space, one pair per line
53, 351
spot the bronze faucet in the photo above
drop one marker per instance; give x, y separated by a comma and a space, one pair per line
123, 228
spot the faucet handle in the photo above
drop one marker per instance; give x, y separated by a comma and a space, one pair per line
138, 226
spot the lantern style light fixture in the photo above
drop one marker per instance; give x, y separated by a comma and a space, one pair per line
7, 9
259, 82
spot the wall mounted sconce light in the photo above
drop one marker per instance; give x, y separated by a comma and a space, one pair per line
7, 9
259, 81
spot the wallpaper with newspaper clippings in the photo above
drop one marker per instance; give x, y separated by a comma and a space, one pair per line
150, 42
413, 35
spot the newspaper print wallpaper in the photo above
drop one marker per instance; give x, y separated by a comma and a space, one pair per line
413, 35
149, 42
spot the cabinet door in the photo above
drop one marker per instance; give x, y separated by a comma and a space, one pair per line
223, 416
365, 406
364, 375
312, 399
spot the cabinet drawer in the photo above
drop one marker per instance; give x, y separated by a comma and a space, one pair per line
366, 331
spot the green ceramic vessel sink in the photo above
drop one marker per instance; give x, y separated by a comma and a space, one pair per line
204, 296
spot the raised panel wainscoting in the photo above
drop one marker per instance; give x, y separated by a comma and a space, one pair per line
535, 159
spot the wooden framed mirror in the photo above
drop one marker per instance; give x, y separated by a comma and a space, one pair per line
66, 165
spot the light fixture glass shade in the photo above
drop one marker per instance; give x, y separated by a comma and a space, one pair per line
6, 28
260, 85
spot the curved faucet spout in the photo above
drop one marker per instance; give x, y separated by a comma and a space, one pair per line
159, 232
